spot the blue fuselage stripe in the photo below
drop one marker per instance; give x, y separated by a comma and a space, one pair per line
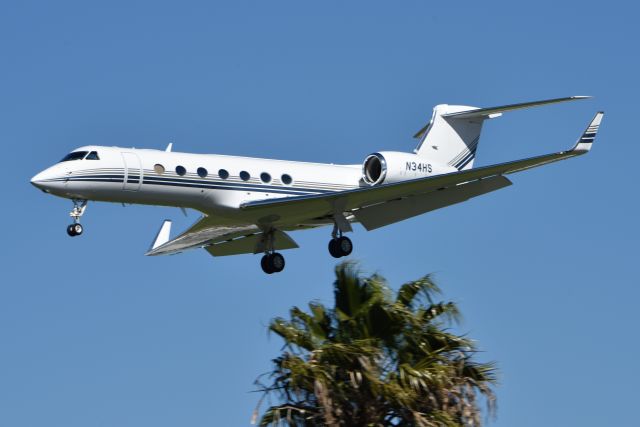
193, 183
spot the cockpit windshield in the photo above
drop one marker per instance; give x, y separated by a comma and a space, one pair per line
76, 155
79, 155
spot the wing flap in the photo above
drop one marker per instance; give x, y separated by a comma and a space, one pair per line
251, 244
382, 214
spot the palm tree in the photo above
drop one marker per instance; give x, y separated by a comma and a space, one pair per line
376, 360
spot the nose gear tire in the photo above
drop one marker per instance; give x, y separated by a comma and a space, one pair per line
74, 230
77, 228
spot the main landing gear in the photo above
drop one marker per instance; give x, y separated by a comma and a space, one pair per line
76, 213
339, 245
272, 263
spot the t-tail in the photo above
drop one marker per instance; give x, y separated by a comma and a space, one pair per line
451, 137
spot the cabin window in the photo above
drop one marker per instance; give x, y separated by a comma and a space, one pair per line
265, 177
76, 155
222, 173
92, 156
180, 170
244, 175
158, 168
202, 172
286, 179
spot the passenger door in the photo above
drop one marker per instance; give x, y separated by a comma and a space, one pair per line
132, 171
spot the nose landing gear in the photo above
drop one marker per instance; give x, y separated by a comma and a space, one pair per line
74, 230
76, 213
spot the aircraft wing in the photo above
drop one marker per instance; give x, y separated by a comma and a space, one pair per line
218, 239
204, 232
359, 200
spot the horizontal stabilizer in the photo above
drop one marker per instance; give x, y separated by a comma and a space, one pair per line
163, 235
493, 111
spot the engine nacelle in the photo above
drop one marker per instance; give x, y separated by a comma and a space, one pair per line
394, 166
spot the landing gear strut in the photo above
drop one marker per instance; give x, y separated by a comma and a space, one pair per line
339, 245
76, 213
271, 262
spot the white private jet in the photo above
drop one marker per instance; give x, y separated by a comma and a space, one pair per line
249, 204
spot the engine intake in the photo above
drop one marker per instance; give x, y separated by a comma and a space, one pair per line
374, 169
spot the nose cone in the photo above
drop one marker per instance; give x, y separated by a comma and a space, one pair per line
44, 180
38, 180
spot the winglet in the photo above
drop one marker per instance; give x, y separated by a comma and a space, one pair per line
589, 135
163, 235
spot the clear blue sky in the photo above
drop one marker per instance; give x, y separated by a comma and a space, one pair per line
93, 333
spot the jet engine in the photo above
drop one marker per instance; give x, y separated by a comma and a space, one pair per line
393, 166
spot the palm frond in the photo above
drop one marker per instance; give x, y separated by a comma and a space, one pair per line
292, 335
411, 290
376, 359
448, 310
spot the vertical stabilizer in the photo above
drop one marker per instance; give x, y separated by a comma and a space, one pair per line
450, 141
451, 137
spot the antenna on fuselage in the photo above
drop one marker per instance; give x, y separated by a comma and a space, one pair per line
169, 147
